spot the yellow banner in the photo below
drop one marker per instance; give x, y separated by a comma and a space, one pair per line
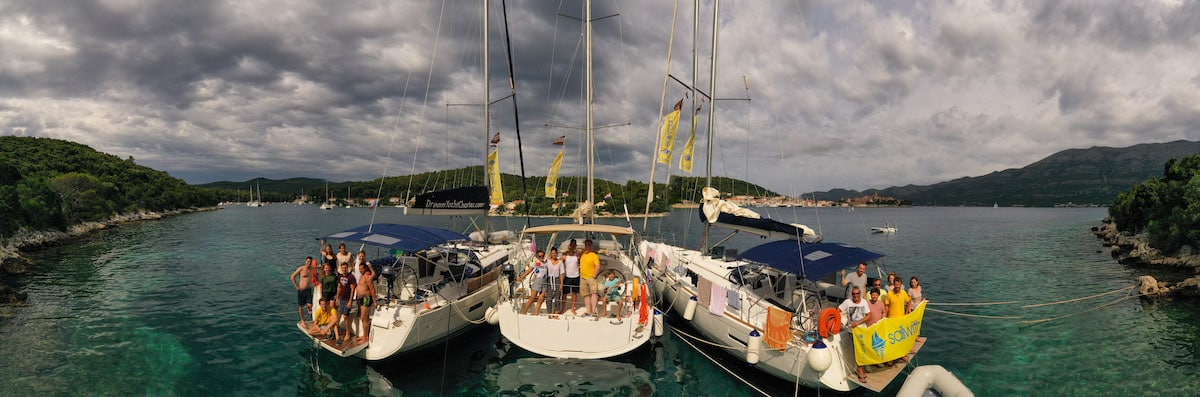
685, 161
888, 339
666, 140
493, 170
552, 177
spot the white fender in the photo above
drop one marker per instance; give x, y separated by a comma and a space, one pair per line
753, 346
690, 311
658, 322
819, 358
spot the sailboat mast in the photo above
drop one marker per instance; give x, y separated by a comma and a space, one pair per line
712, 93
487, 97
591, 139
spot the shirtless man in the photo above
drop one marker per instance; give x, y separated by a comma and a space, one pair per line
366, 299
302, 280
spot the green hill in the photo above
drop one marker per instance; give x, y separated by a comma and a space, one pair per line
51, 183
1081, 176
631, 193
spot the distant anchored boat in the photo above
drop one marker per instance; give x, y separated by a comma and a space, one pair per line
884, 229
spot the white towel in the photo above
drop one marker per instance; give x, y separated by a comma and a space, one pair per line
718, 297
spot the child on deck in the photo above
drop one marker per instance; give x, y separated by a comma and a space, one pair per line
612, 293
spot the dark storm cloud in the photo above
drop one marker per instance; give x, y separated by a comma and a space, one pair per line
855, 94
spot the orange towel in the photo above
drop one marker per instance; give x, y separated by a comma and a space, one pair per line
779, 330
644, 307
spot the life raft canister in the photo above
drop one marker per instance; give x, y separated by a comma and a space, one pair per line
829, 322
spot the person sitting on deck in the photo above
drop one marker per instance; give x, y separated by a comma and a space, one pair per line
855, 311
323, 320
612, 293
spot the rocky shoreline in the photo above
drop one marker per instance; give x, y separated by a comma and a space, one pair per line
12, 264
1134, 251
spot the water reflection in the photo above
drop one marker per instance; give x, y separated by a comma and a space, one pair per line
568, 377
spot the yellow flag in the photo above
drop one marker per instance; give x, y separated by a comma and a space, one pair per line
493, 170
689, 149
666, 140
888, 339
552, 177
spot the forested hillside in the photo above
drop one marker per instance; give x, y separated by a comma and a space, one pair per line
571, 189
1167, 208
51, 183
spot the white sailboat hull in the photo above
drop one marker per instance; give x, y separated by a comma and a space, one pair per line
570, 336
732, 328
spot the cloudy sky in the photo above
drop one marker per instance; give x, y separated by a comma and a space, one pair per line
853, 94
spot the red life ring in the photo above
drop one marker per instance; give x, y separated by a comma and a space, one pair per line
829, 322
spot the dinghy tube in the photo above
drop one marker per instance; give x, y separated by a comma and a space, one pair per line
935, 378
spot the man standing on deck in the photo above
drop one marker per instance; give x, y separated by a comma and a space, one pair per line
343, 256
856, 279
589, 263
897, 300
856, 309
345, 292
366, 298
303, 288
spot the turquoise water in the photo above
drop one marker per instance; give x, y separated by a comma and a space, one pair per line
200, 305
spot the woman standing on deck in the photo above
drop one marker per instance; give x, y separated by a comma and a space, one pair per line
554, 277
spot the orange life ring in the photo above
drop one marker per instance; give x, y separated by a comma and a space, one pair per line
829, 322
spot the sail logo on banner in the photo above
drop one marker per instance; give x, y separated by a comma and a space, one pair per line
888, 339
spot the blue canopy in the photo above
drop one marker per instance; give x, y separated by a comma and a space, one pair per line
401, 237
819, 259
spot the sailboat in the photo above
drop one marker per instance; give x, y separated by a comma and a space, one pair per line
434, 283
325, 205
253, 201
773, 305
572, 333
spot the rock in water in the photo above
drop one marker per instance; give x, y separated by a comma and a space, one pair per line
1148, 286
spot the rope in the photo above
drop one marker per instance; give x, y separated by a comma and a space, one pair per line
707, 342
973, 315
972, 304
714, 361
1079, 299
1032, 322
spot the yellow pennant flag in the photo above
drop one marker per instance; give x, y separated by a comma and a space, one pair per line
493, 170
888, 339
552, 177
689, 148
666, 139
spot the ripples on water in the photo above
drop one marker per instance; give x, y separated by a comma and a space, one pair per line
200, 305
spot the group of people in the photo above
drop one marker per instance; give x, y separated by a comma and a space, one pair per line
896, 302
570, 275
351, 287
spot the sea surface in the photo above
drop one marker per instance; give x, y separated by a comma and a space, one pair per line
201, 305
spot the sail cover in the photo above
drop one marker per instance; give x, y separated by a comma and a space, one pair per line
401, 237
470, 200
812, 261
731, 216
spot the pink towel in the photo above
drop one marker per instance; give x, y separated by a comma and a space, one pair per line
717, 306
704, 290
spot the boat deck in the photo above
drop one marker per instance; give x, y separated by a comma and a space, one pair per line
350, 348
879, 377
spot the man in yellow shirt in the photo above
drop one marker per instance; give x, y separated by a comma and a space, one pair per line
897, 300
589, 263
323, 319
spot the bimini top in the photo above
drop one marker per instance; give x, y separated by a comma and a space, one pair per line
818, 259
574, 227
402, 237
